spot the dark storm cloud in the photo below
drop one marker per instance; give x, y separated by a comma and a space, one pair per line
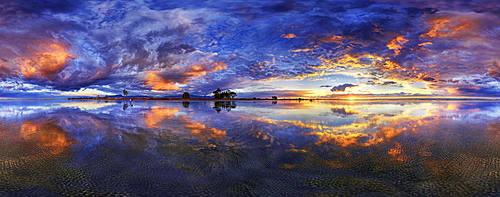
5, 71
479, 91
469, 90
478, 6
110, 47
342, 88
39, 6
383, 83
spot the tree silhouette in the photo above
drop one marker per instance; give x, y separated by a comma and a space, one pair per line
217, 93
228, 94
232, 94
125, 92
186, 95
275, 98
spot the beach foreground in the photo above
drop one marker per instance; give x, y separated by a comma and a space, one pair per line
249, 148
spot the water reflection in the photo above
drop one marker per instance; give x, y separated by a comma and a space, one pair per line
227, 105
257, 148
46, 133
185, 104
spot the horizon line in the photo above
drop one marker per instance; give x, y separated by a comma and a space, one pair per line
346, 97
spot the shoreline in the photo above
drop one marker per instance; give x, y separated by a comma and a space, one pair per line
295, 99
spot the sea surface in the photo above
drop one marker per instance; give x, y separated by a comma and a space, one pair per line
249, 148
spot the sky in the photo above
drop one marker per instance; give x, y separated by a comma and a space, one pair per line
288, 49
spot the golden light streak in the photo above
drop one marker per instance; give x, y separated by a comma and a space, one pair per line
425, 43
301, 50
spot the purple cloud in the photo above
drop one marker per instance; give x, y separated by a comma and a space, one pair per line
341, 88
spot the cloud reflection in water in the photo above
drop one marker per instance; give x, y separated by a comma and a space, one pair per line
341, 148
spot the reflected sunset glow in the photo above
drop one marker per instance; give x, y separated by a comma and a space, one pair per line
46, 134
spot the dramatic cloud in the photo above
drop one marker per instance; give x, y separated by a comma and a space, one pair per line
467, 90
166, 46
167, 79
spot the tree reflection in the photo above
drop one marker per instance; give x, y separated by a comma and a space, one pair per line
227, 105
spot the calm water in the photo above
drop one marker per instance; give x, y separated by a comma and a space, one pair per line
246, 148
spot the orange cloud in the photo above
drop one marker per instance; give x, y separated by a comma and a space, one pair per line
167, 79
334, 39
46, 64
289, 36
198, 70
396, 44
351, 61
156, 82
392, 70
389, 65
453, 26
425, 43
